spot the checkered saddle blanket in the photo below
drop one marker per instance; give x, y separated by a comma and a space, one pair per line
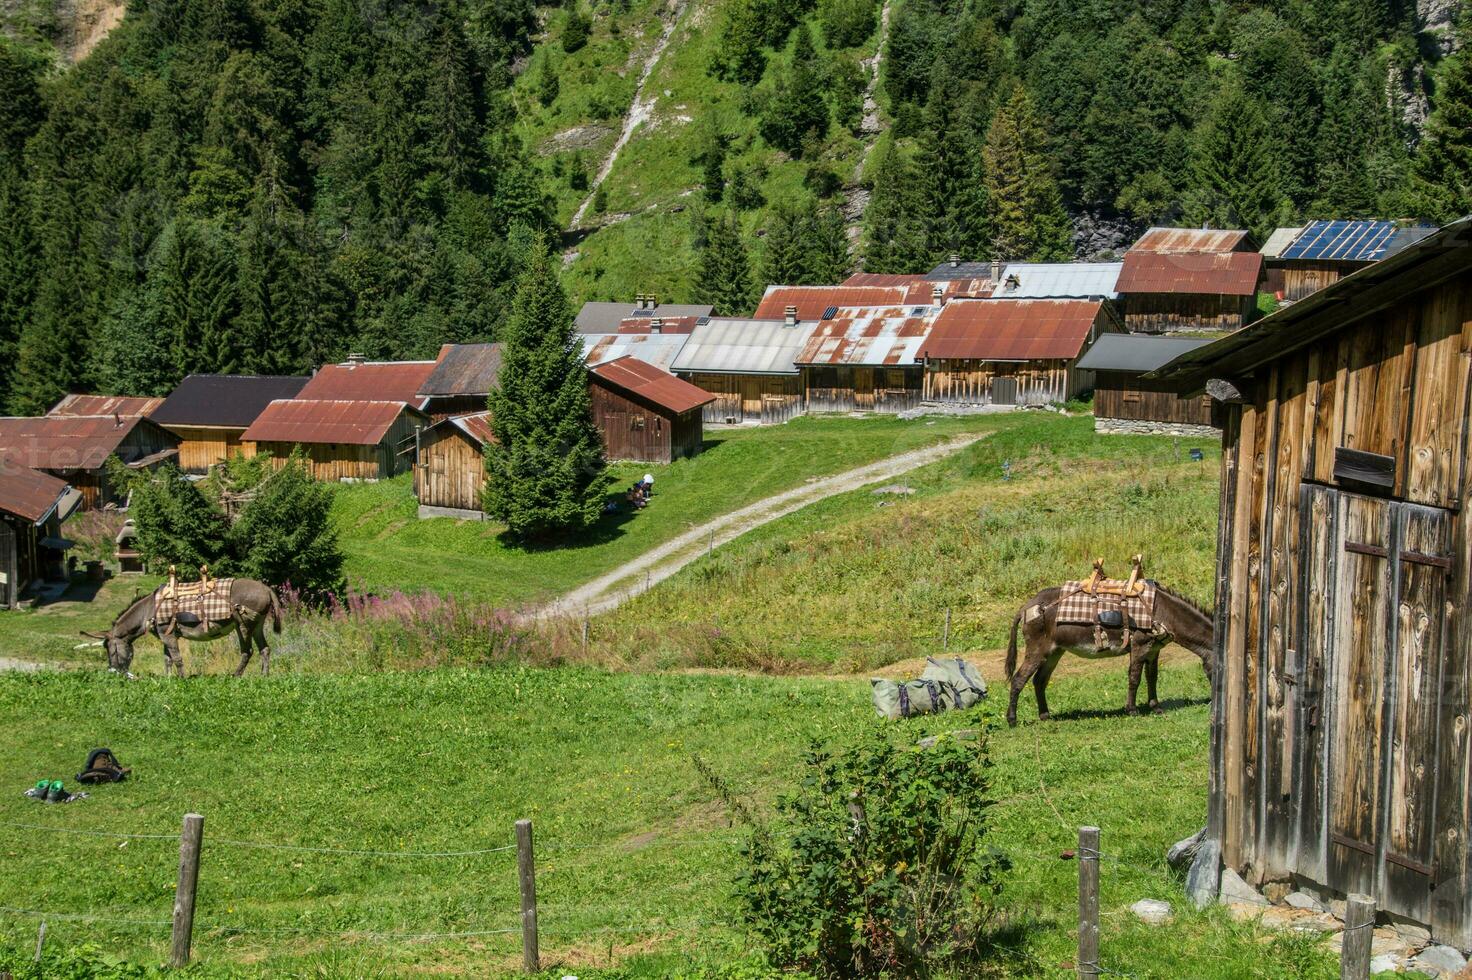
194, 602
1078, 606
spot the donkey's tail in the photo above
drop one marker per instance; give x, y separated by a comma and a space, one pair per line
275, 611
1012, 645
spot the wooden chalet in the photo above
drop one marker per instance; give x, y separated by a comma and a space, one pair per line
461, 380
1301, 261
638, 316
361, 380
1181, 279
350, 441
450, 471
209, 413
76, 448
645, 413
748, 365
33, 506
1125, 403
1011, 352
1342, 689
865, 360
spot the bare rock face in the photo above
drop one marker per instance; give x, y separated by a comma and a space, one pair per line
1435, 18
1098, 237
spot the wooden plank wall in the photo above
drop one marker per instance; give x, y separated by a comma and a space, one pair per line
969, 382
766, 398
634, 430
1154, 313
1303, 278
450, 471
201, 447
1121, 396
337, 461
862, 389
1340, 731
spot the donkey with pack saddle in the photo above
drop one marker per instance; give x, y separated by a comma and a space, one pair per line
203, 610
1101, 617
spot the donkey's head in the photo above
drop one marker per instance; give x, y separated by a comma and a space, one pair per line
118, 640
119, 650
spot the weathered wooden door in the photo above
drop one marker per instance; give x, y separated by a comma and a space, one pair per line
863, 387
1368, 683
1004, 390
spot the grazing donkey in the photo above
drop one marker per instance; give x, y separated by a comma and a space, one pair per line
251, 603
1177, 619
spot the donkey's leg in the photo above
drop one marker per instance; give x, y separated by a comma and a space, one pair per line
1040, 683
264, 646
1152, 674
242, 636
1137, 666
173, 659
1038, 650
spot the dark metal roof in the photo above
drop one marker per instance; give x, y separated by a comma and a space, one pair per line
811, 301
28, 494
606, 317
1192, 273
229, 401
1445, 253
1136, 353
353, 423
659, 388
1012, 329
367, 381
464, 369
1176, 240
65, 442
947, 271
124, 405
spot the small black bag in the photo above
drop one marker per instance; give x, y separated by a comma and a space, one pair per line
102, 767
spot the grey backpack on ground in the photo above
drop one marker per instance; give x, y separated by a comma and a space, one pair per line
945, 685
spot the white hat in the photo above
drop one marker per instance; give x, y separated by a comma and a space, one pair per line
648, 477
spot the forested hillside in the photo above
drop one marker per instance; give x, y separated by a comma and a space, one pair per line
257, 185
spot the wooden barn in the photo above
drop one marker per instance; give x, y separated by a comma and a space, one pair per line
361, 380
76, 448
748, 365
644, 413
1341, 714
355, 441
450, 469
461, 381
1011, 352
210, 413
33, 506
1125, 403
1182, 279
1302, 261
864, 360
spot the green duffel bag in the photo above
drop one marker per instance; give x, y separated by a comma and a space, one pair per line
965, 679
902, 699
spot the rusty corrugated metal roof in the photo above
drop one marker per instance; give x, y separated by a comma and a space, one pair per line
464, 369
657, 387
127, 406
1172, 240
1012, 329
397, 381
667, 324
811, 301
65, 442
317, 421
27, 493
476, 425
868, 337
659, 349
1193, 273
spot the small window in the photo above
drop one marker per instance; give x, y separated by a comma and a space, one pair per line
636, 421
1130, 395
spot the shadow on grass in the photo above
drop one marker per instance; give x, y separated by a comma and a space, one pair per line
1084, 714
618, 511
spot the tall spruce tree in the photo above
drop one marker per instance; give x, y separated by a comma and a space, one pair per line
785, 247
724, 275
953, 204
1024, 206
797, 112
1235, 173
894, 229
830, 256
1442, 177
545, 471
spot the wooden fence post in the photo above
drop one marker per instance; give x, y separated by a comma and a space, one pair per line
40, 940
526, 871
585, 636
1088, 902
184, 889
1359, 931
945, 640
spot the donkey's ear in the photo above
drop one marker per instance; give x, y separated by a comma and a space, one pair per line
95, 636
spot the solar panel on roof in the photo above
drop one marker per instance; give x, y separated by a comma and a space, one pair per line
919, 311
1354, 241
830, 313
642, 313
702, 320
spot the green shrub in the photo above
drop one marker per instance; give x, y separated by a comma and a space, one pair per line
878, 866
575, 34
285, 533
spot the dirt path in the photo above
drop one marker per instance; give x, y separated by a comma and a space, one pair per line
21, 666
639, 112
601, 595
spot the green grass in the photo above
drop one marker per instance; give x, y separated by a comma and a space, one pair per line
635, 855
864, 579
388, 548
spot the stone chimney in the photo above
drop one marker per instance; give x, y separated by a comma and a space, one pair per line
656, 324
955, 261
652, 300
937, 295
356, 358
996, 272
789, 316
